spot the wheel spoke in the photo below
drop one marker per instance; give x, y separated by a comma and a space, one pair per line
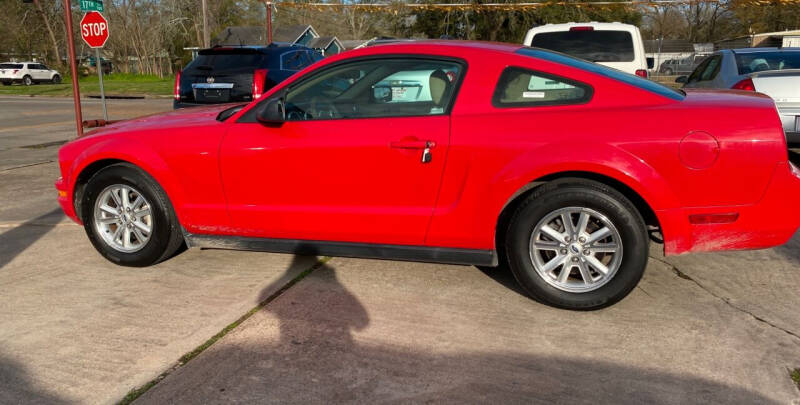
126, 238
597, 264
549, 231
137, 202
115, 197
583, 222
564, 275
139, 236
569, 227
586, 275
116, 234
605, 248
598, 235
142, 226
546, 245
553, 263
141, 214
107, 221
107, 208
126, 203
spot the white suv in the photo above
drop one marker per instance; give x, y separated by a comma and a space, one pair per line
27, 73
615, 45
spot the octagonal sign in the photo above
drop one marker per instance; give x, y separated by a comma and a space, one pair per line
94, 29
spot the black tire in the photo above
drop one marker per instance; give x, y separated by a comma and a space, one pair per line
668, 72
574, 192
167, 235
6, 83
56, 79
27, 80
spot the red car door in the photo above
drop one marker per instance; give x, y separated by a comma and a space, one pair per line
359, 159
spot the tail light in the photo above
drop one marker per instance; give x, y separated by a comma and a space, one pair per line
15, 71
178, 86
641, 73
746, 84
581, 28
259, 80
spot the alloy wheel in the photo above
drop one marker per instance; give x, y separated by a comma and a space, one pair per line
576, 249
123, 218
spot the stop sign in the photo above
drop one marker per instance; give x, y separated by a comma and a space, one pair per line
94, 29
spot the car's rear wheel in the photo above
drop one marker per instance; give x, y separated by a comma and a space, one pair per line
668, 72
27, 80
6, 83
577, 244
128, 217
56, 79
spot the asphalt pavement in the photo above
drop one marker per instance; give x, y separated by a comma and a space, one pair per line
704, 328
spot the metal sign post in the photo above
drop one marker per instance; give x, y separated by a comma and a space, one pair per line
94, 31
99, 65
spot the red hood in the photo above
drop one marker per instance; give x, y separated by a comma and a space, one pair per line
181, 117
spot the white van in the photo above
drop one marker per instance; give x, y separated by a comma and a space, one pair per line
615, 45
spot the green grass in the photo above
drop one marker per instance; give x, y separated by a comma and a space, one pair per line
119, 84
795, 374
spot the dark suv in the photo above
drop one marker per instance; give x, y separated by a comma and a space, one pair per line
231, 74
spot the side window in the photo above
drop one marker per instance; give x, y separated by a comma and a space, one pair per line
695, 76
712, 68
520, 87
295, 60
376, 88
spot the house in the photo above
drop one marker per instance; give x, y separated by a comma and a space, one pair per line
294, 34
326, 45
241, 36
764, 39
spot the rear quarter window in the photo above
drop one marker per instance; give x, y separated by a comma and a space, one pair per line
520, 87
594, 46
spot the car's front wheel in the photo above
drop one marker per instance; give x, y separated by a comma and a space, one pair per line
56, 79
128, 217
577, 244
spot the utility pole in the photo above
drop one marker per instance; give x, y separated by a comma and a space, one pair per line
269, 21
206, 38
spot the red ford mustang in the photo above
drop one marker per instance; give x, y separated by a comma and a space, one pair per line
451, 152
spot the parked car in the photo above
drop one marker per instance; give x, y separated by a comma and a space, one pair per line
772, 71
235, 74
556, 170
615, 45
27, 73
680, 66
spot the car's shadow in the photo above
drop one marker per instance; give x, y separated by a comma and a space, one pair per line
794, 156
304, 348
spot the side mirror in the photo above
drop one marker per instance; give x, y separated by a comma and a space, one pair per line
272, 111
651, 61
382, 94
681, 79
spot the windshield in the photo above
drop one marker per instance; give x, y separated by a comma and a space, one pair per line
594, 46
223, 60
761, 61
615, 74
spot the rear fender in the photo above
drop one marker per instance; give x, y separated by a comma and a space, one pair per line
595, 158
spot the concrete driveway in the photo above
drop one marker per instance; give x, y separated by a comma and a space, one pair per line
719, 328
